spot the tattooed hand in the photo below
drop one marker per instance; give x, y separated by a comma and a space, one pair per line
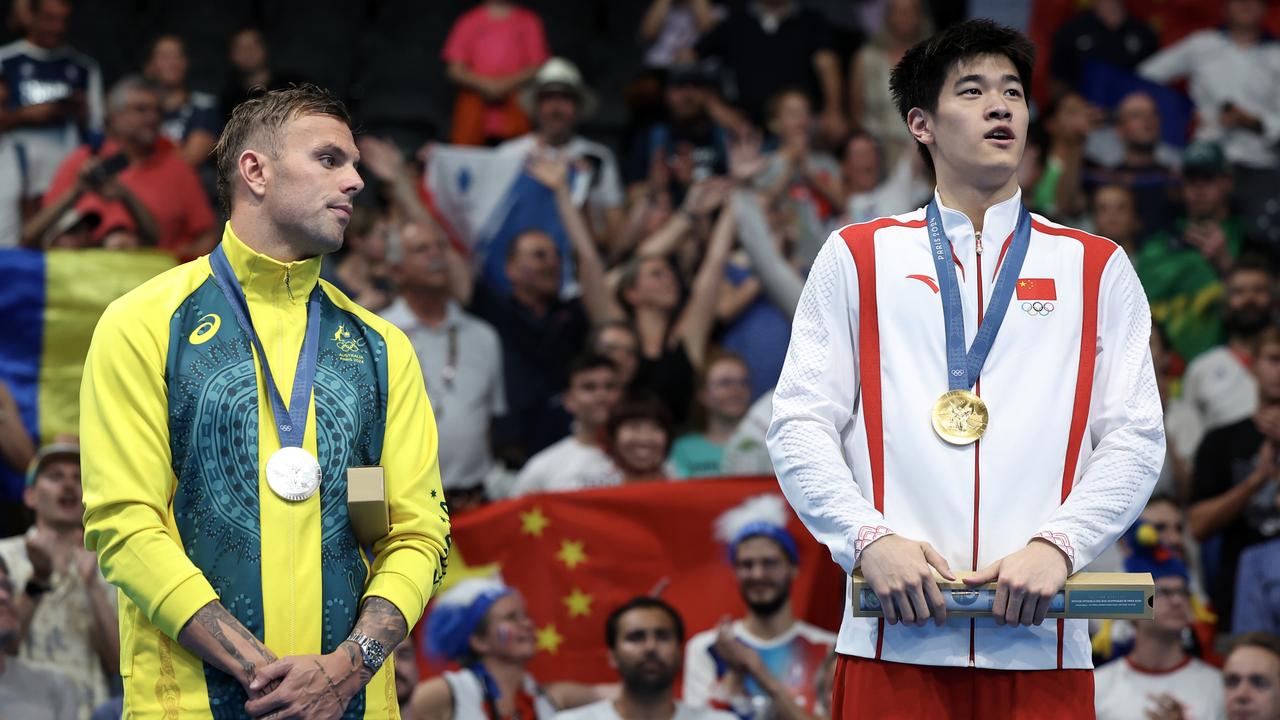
321, 686
219, 639
306, 686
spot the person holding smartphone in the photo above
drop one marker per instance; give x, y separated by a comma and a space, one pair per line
133, 171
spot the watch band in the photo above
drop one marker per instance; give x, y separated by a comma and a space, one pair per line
374, 652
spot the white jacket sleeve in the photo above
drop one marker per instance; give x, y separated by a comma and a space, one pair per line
1174, 62
1126, 428
814, 403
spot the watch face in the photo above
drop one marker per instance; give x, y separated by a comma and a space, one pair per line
374, 654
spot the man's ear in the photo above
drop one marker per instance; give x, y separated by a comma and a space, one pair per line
255, 170
920, 125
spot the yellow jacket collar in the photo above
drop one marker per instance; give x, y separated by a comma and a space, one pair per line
264, 277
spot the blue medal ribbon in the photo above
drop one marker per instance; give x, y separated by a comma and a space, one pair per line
291, 422
963, 368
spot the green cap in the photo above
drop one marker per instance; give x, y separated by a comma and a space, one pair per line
1204, 159
53, 451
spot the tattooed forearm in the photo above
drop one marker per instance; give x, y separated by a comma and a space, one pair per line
218, 638
382, 621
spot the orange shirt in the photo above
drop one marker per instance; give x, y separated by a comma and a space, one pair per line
164, 183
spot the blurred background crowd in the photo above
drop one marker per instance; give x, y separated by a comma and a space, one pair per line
593, 220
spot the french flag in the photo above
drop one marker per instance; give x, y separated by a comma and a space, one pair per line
482, 198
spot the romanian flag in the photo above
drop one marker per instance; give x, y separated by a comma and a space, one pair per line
1037, 289
49, 304
576, 556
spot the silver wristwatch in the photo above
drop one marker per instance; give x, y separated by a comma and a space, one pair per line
374, 653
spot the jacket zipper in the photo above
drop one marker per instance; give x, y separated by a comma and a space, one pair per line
293, 595
977, 447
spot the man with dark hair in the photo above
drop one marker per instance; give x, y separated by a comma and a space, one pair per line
219, 510
1182, 268
1232, 72
579, 460
1131, 155
1029, 472
690, 144
1234, 493
541, 330
1105, 33
1157, 676
1251, 677
768, 663
644, 638
50, 102
1114, 214
1218, 388
770, 45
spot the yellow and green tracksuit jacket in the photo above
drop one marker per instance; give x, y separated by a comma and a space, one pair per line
176, 428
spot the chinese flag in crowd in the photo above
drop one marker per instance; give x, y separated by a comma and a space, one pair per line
576, 556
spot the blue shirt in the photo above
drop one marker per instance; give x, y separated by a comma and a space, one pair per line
199, 112
1257, 605
35, 76
760, 334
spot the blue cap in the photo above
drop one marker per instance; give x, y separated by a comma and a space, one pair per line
457, 613
769, 530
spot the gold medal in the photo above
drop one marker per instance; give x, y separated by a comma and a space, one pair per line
960, 417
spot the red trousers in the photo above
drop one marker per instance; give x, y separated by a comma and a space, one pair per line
875, 689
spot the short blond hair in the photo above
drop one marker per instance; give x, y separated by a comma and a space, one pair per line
260, 119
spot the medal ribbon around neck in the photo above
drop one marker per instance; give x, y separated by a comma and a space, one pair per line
963, 368
291, 422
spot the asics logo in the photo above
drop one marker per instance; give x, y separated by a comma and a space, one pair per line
205, 331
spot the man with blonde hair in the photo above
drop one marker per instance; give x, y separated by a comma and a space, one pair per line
221, 512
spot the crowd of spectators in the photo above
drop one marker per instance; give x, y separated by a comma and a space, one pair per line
637, 337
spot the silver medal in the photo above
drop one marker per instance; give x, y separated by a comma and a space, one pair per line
293, 473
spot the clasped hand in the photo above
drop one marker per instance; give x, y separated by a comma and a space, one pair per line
304, 686
900, 572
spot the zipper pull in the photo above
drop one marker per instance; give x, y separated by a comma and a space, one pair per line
288, 275
977, 238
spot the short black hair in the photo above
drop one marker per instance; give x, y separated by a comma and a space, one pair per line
640, 405
514, 245
1251, 262
589, 361
641, 602
916, 81
1161, 496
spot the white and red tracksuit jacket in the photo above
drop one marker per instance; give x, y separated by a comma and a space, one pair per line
1072, 451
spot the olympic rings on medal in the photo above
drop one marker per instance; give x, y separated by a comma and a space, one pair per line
1037, 308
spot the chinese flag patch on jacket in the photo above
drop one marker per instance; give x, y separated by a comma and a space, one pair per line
1037, 289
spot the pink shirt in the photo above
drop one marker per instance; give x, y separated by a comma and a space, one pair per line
493, 46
